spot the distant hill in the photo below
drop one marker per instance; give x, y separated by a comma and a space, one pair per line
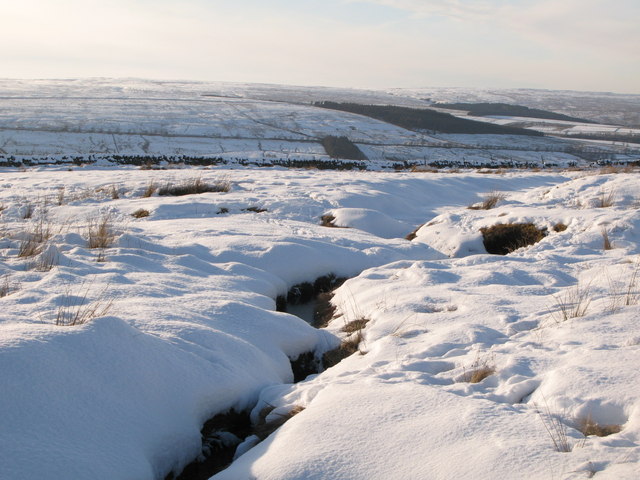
425, 119
505, 109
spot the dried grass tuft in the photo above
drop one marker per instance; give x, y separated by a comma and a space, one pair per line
195, 186
100, 232
78, 310
140, 213
588, 427
490, 201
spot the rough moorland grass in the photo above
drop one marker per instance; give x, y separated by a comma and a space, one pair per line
504, 238
100, 232
34, 240
490, 201
150, 189
194, 186
481, 368
140, 213
588, 427
7, 286
606, 241
327, 221
77, 310
573, 303
606, 199
556, 429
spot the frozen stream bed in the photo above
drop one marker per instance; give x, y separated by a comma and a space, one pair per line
175, 320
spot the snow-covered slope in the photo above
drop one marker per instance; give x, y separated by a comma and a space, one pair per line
185, 323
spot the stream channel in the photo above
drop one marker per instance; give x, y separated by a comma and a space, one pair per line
224, 432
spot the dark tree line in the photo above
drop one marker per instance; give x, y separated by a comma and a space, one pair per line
425, 120
487, 109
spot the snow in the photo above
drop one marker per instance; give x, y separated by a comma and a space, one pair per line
192, 330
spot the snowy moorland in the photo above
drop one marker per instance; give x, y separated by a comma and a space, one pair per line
93, 120
130, 318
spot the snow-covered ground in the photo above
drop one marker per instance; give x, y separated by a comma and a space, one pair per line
185, 324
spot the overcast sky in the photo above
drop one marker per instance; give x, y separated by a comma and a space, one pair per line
555, 44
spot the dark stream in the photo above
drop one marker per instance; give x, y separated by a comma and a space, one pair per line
222, 434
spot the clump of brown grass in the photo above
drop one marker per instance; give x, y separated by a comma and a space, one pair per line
29, 247
588, 426
255, 209
481, 368
195, 186
34, 241
559, 227
490, 201
100, 232
504, 238
412, 235
355, 325
347, 348
150, 189
328, 221
606, 199
606, 241
140, 213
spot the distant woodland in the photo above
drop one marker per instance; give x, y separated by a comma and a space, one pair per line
425, 120
488, 109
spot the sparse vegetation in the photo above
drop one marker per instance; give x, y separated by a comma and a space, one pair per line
255, 209
262, 429
194, 186
150, 189
7, 286
140, 213
328, 221
559, 227
355, 325
412, 235
606, 199
588, 427
490, 201
573, 303
606, 241
27, 211
33, 241
556, 428
481, 368
347, 348
60, 196
78, 310
100, 232
504, 238
29, 246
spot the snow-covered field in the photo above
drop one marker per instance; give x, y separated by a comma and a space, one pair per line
181, 324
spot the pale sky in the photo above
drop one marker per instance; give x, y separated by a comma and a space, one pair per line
556, 44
